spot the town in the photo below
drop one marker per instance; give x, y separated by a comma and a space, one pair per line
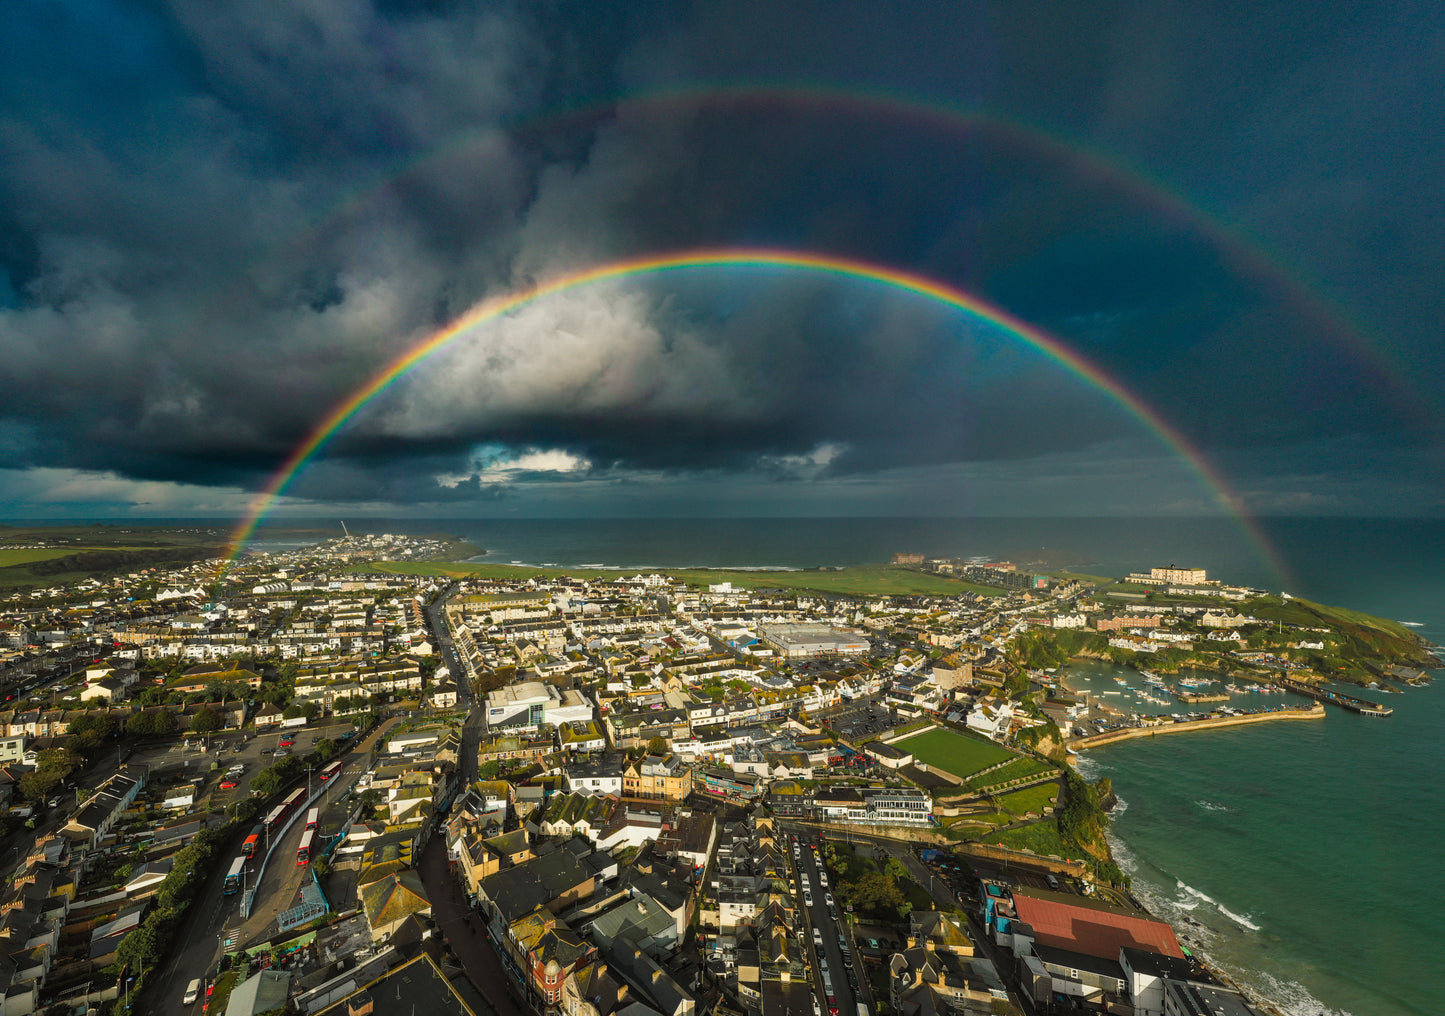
309, 783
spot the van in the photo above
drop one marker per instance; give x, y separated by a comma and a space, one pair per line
193, 992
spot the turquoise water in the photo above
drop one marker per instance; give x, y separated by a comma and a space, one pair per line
1300, 856
1303, 857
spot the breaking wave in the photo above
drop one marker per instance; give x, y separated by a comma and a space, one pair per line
1242, 920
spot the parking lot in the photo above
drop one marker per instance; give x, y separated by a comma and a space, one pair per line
230, 748
860, 719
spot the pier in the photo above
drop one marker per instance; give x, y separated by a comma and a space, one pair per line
1334, 698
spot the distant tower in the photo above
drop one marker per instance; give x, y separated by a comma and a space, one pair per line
345, 530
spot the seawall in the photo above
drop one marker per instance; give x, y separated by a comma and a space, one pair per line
1314, 712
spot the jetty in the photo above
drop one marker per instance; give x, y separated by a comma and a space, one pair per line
1334, 698
1313, 712
1193, 697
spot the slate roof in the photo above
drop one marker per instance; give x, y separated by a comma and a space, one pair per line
521, 889
393, 898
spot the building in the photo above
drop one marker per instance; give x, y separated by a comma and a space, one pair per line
896, 806
1124, 623
796, 640
548, 952
1184, 576
521, 706
657, 778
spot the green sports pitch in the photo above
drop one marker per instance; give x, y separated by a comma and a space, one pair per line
952, 752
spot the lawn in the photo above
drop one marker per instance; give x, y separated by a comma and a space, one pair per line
870, 580
1030, 799
1015, 770
954, 753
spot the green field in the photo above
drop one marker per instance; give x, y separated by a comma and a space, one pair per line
1030, 799
865, 580
1015, 770
10, 557
954, 753
1308, 614
1040, 837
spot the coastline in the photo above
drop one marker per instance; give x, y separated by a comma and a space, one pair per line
1315, 711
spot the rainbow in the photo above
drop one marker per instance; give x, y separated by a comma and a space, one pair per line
1245, 255
908, 282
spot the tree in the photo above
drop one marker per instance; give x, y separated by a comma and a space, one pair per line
266, 782
37, 786
489, 770
205, 722
164, 722
140, 725
657, 746
96, 723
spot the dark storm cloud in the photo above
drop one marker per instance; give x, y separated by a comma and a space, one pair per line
216, 221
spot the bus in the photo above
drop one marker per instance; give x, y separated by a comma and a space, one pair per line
312, 818
234, 876
248, 849
277, 815
334, 769
303, 855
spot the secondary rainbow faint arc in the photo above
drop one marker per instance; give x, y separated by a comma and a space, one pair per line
909, 282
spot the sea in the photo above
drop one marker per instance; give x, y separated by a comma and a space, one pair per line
1301, 858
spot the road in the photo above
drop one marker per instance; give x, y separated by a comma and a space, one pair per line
834, 958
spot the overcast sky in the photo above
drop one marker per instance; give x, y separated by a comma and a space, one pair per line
218, 220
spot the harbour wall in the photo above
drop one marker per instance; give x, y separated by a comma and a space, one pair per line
1314, 712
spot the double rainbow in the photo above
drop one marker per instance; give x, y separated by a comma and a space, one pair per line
930, 289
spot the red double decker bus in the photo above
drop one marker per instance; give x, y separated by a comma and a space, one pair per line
303, 855
277, 815
331, 771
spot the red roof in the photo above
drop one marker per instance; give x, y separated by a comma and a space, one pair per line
1095, 929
